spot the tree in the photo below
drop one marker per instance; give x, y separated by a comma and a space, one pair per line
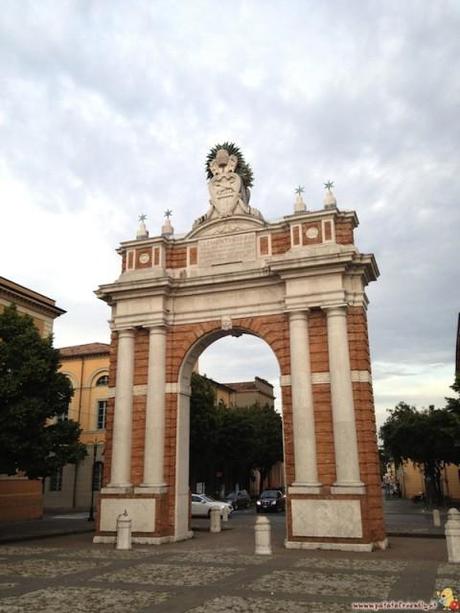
34, 397
226, 443
203, 424
425, 437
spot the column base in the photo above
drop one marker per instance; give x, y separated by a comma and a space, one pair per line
117, 489
151, 489
305, 488
363, 547
356, 487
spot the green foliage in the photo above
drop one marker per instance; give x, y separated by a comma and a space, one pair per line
230, 441
32, 393
243, 169
428, 438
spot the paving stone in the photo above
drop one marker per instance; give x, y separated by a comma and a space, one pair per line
46, 568
237, 604
112, 554
325, 584
391, 566
27, 550
80, 600
168, 574
209, 557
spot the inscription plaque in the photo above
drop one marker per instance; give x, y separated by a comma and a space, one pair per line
227, 249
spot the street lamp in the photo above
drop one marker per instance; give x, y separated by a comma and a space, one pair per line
93, 479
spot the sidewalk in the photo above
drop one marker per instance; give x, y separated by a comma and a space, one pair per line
404, 518
50, 525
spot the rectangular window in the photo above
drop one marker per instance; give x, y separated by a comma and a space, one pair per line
295, 235
56, 481
264, 245
101, 412
193, 256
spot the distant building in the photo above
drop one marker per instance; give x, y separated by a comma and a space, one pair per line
245, 393
21, 498
87, 367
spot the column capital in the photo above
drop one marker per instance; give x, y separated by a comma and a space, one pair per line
298, 315
155, 328
125, 332
336, 310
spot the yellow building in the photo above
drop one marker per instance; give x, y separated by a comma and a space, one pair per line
87, 367
411, 480
21, 498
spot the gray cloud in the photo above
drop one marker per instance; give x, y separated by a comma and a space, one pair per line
108, 110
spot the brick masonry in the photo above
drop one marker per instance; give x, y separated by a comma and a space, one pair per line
274, 329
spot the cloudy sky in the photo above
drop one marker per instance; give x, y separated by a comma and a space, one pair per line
108, 109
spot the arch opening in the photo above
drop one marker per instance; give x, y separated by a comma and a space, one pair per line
220, 344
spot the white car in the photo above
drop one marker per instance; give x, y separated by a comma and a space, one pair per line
202, 505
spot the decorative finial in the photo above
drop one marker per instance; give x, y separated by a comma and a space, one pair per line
142, 231
299, 206
166, 228
330, 201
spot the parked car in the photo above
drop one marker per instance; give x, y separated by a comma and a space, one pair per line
239, 500
271, 500
202, 505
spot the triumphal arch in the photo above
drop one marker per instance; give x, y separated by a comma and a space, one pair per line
298, 283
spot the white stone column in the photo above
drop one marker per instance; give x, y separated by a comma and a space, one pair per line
303, 421
122, 422
155, 412
343, 411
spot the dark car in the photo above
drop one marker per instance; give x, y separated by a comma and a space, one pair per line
271, 500
239, 500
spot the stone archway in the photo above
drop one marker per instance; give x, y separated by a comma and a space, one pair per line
299, 284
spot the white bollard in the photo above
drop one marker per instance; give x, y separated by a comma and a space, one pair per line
124, 531
453, 536
436, 518
225, 512
263, 536
215, 521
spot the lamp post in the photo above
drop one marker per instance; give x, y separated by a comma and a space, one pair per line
93, 476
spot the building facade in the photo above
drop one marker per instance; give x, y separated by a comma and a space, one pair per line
87, 368
21, 498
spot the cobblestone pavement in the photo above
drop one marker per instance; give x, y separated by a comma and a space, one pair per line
215, 573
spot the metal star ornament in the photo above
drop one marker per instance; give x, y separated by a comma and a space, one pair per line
299, 190
168, 213
142, 217
329, 185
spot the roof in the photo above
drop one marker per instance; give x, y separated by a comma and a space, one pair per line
19, 292
84, 350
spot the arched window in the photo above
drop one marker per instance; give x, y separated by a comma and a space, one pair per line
104, 380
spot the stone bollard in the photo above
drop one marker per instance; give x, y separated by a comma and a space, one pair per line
124, 531
225, 512
453, 535
263, 536
436, 518
215, 521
